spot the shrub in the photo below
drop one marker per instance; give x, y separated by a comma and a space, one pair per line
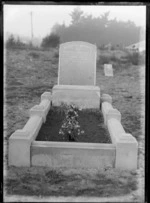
103, 59
114, 58
13, 43
133, 58
50, 41
34, 55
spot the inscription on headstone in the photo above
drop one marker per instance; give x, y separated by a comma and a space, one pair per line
108, 70
77, 64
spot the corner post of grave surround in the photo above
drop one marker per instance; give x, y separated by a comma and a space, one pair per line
106, 98
46, 96
20, 142
109, 112
126, 152
43, 108
126, 145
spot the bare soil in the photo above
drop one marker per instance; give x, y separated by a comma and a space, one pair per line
91, 122
28, 74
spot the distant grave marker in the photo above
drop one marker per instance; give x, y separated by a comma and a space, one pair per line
108, 70
77, 63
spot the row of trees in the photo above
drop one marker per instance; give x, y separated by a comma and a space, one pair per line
12, 42
97, 30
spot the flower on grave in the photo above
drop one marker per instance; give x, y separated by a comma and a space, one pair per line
61, 132
70, 127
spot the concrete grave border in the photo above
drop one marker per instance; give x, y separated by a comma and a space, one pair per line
23, 150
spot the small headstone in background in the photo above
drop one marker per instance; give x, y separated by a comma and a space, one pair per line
108, 70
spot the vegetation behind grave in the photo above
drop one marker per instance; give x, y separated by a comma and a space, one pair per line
28, 73
120, 58
97, 30
50, 41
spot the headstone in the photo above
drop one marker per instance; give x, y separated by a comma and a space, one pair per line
108, 70
77, 63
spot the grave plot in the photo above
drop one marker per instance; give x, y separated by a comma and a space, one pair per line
27, 147
91, 127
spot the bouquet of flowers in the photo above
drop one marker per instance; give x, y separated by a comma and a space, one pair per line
70, 127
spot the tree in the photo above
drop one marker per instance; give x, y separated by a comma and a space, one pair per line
51, 40
76, 15
97, 30
104, 19
55, 28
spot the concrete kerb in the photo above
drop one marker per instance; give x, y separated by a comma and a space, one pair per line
46, 96
72, 155
20, 141
126, 152
109, 112
106, 98
43, 108
126, 144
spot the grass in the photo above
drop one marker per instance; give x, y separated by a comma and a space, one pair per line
64, 182
29, 73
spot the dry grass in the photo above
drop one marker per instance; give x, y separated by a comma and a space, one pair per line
64, 182
28, 75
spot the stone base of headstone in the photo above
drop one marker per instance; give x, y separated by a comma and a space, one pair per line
84, 97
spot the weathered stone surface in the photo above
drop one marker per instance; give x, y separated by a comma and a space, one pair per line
46, 95
106, 98
20, 142
73, 155
41, 110
109, 112
113, 113
115, 129
108, 70
81, 96
77, 63
38, 110
126, 146
126, 152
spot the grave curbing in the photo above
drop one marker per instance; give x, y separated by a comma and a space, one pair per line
20, 142
106, 98
79, 89
124, 146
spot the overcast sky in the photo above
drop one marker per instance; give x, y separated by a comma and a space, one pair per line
17, 18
